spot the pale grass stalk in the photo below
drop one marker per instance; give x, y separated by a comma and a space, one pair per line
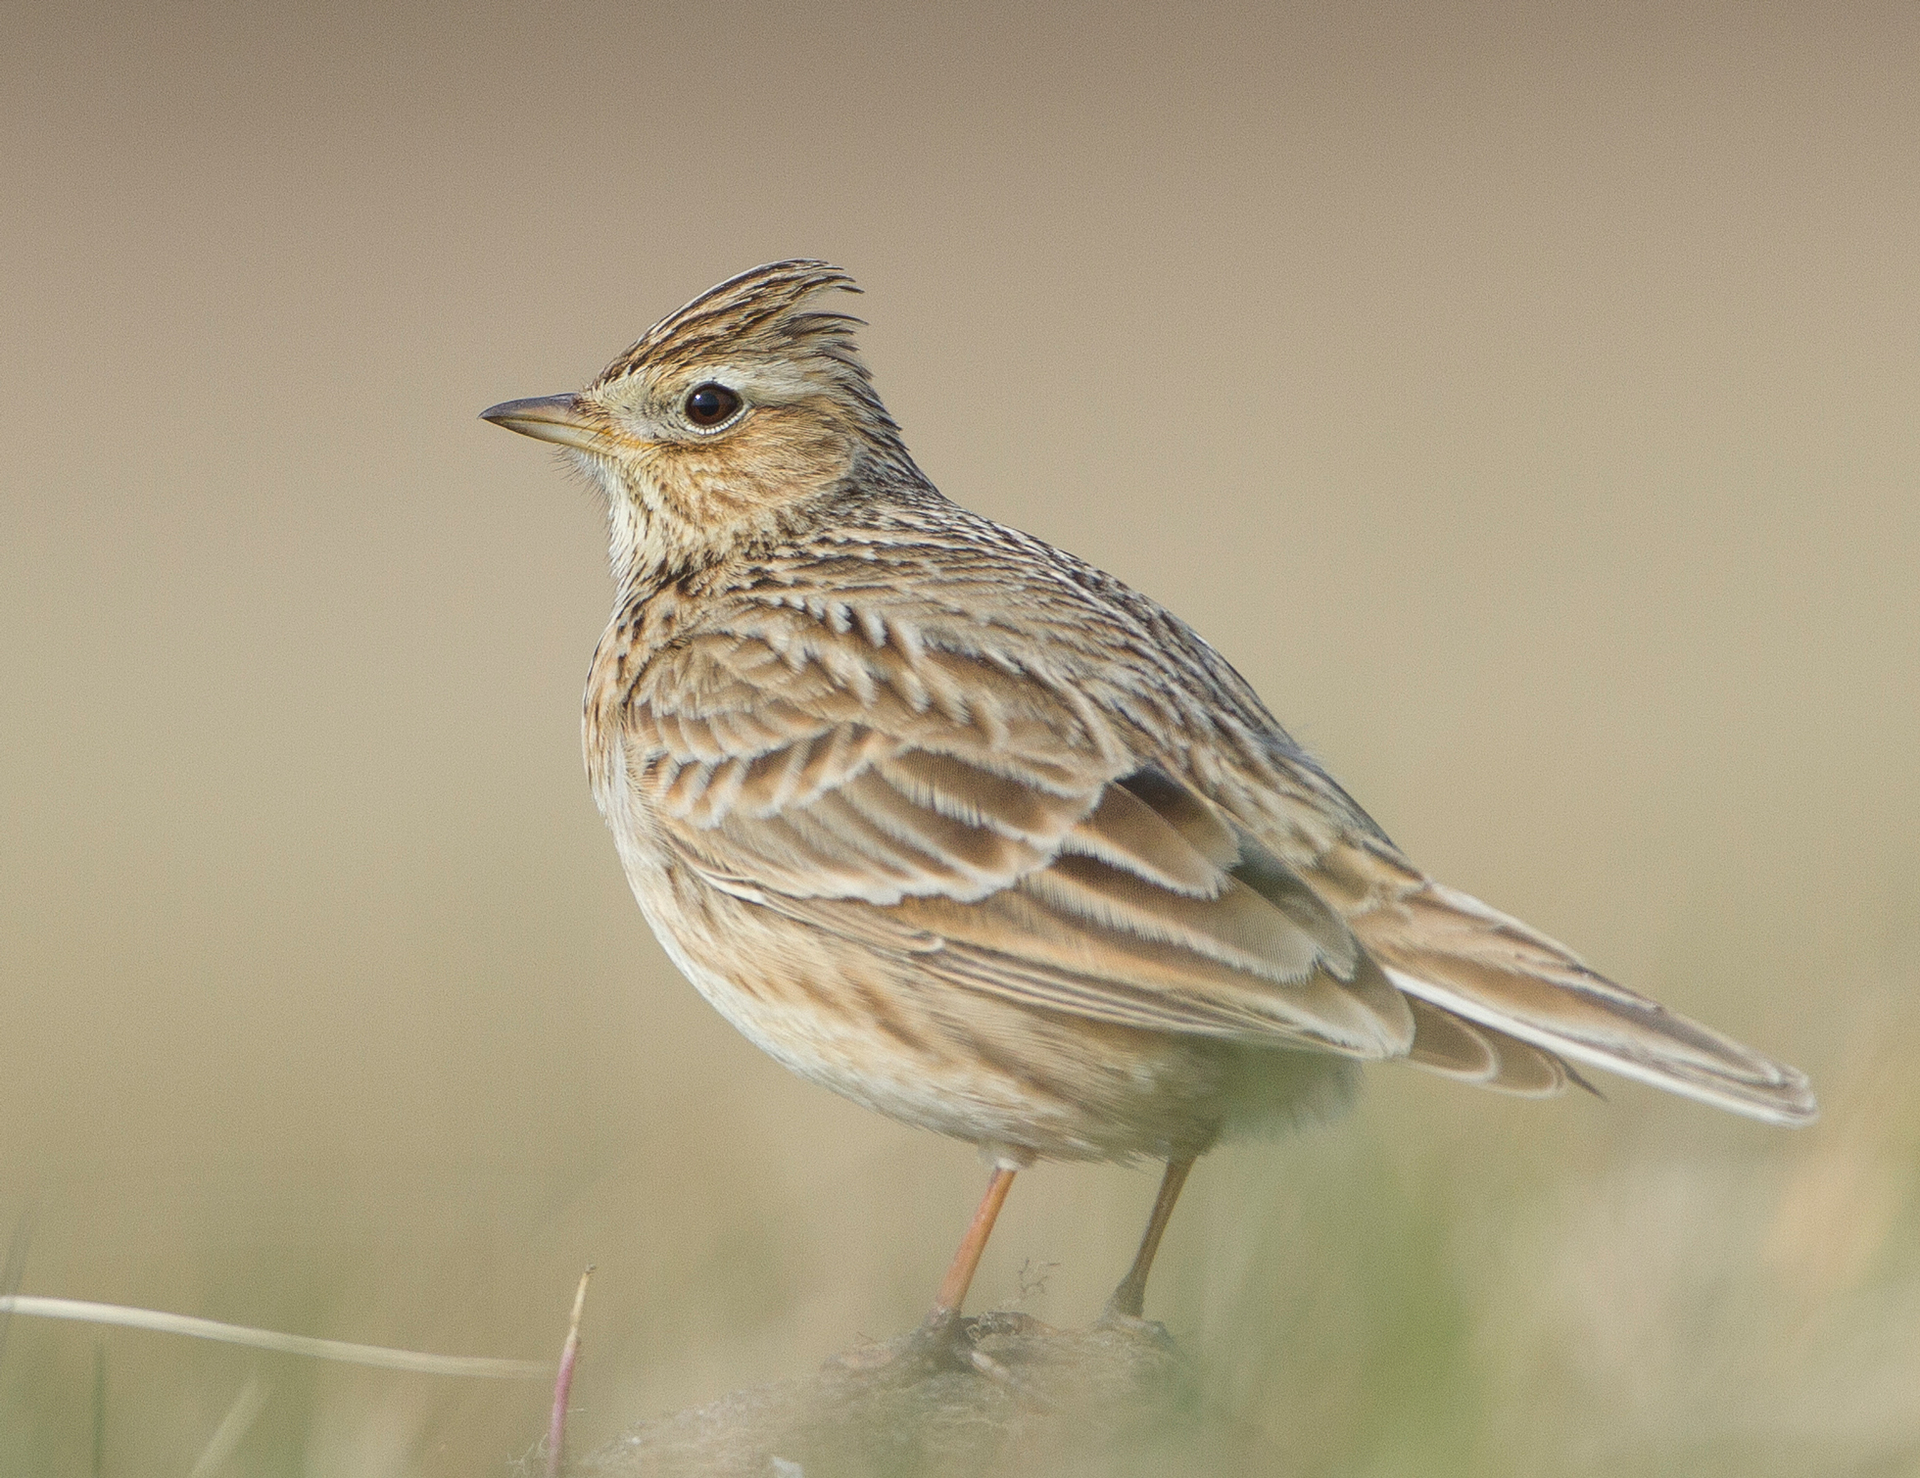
14, 1268
233, 1428
99, 1406
563, 1381
268, 1339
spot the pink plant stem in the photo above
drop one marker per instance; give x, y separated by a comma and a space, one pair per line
563, 1381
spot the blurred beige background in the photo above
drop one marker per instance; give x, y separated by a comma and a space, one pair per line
1523, 397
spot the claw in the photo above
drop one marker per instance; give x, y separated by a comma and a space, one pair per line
1116, 1318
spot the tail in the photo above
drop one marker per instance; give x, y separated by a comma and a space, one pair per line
1482, 969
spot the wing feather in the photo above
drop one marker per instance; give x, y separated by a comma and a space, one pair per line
1131, 840
971, 815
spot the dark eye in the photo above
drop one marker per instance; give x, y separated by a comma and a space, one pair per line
710, 404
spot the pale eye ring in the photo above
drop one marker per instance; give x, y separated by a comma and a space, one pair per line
711, 404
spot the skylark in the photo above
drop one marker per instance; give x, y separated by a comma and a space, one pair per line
963, 828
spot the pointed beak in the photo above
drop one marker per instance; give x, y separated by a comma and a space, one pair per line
555, 418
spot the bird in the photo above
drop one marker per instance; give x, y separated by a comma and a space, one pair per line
965, 829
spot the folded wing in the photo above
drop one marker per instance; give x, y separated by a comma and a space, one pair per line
1017, 837
940, 805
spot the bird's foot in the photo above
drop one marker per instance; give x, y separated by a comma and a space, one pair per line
949, 1341
944, 1341
1004, 1322
1129, 1321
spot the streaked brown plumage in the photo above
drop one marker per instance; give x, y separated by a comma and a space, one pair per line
968, 831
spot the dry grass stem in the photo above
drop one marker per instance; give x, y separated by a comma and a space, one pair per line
378, 1356
563, 1380
232, 1430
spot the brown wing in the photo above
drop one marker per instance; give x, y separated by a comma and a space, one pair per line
993, 825
1527, 999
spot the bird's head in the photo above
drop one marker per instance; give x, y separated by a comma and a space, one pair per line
731, 420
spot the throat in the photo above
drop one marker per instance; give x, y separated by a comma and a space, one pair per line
649, 548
